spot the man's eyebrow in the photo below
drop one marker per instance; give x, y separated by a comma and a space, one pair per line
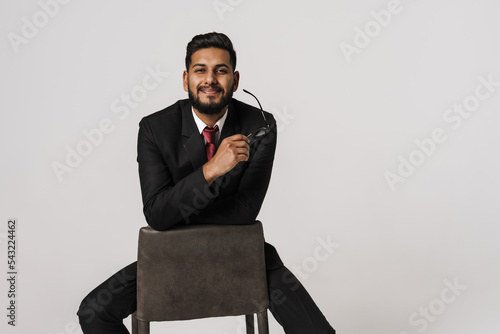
218, 65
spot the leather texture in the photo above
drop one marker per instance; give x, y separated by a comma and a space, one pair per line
201, 271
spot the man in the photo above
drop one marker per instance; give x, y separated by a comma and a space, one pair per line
196, 166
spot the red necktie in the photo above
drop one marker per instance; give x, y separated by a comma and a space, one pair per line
209, 134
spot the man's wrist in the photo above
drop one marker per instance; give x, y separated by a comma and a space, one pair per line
208, 173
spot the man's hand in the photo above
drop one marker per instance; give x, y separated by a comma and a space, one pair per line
231, 151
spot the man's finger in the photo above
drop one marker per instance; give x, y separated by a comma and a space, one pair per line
239, 137
239, 144
243, 144
242, 150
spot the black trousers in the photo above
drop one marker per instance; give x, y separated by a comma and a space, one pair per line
102, 311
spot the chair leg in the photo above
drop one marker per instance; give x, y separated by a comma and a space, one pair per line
143, 327
134, 323
249, 320
262, 322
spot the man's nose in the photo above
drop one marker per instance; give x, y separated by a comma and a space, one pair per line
210, 79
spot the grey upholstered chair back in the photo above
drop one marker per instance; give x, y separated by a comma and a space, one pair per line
201, 271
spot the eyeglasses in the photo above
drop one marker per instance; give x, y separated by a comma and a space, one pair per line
262, 131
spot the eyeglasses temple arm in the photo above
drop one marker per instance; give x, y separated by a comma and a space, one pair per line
261, 110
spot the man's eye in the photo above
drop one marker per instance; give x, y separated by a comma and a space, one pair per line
222, 71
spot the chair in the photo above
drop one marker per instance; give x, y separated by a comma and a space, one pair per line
201, 271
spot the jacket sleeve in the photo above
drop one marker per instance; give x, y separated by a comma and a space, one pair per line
191, 200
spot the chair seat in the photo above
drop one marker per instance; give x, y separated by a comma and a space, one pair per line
201, 271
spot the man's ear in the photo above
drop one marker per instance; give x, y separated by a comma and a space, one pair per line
185, 80
236, 80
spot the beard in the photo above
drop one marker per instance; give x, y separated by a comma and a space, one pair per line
213, 107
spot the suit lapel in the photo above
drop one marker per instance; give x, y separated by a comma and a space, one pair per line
193, 143
231, 125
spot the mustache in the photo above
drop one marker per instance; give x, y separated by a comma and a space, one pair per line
216, 87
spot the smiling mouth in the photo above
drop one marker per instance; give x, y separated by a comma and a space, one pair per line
210, 91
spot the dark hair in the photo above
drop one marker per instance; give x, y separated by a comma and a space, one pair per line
210, 40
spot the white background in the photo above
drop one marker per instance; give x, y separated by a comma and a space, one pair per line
343, 125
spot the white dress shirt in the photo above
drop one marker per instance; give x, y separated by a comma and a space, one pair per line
201, 125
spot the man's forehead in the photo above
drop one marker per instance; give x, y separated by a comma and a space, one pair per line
210, 56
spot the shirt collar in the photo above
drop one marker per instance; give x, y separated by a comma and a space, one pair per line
201, 125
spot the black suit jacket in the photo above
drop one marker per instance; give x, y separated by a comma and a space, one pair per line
171, 153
